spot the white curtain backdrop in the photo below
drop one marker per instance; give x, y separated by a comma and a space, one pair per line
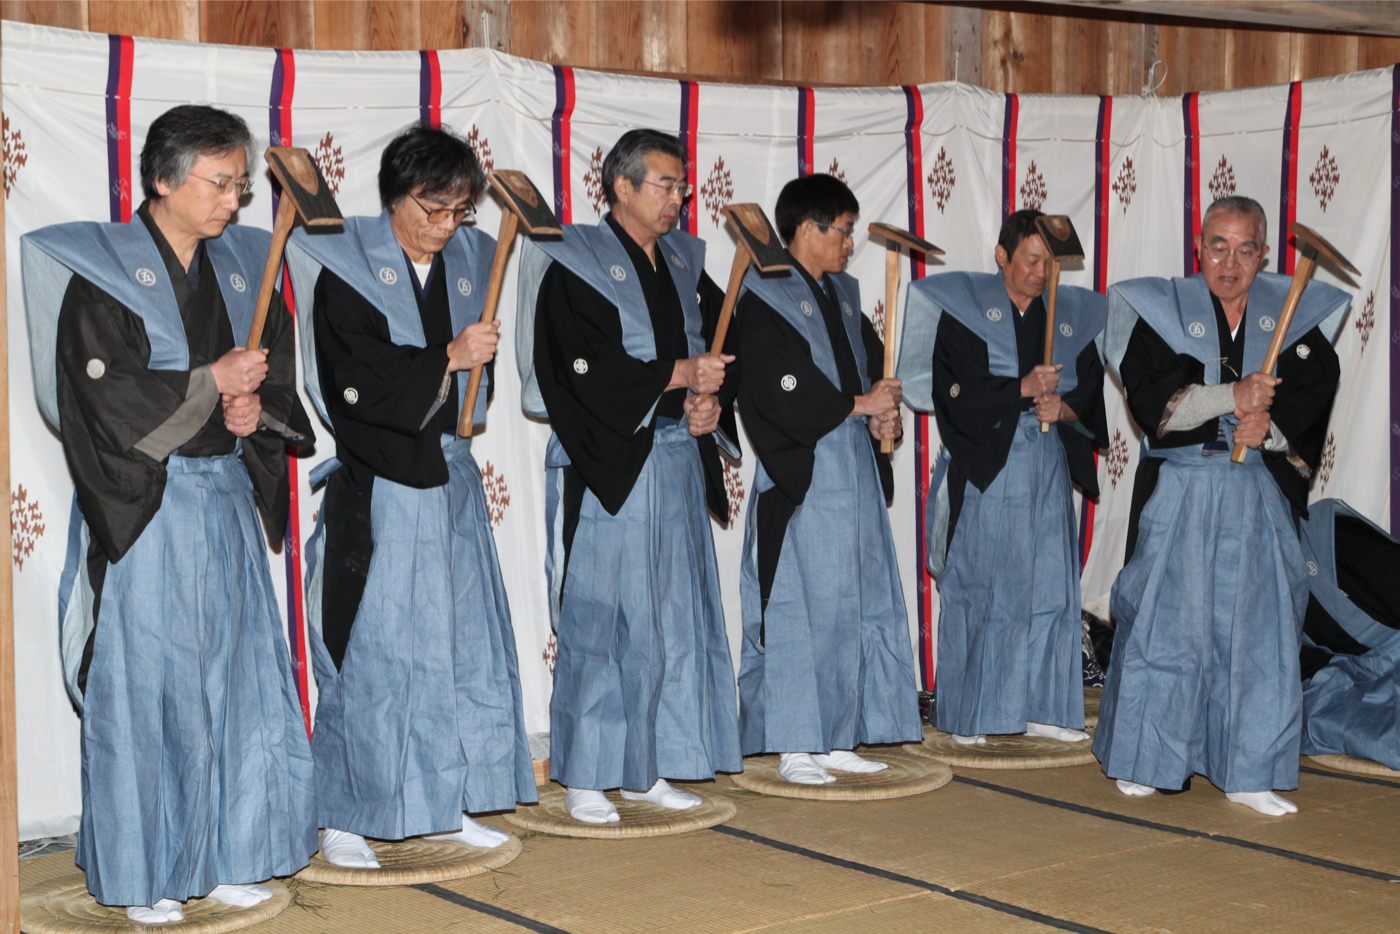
946, 161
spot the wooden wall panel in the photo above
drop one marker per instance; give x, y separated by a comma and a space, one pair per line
257, 22
1377, 52
178, 19
751, 48
66, 14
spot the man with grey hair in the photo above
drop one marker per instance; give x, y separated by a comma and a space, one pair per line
196, 766
1204, 672
643, 684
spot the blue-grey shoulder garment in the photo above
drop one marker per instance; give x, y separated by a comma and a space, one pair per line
123, 261
1181, 313
979, 301
368, 258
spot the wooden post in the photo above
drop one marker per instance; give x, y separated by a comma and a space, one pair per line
286, 217
1302, 272
1050, 322
891, 297
9, 774
505, 236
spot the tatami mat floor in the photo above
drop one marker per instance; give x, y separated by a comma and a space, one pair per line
993, 850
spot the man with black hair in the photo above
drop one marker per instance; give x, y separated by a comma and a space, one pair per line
1001, 526
420, 718
1204, 671
827, 662
196, 770
614, 356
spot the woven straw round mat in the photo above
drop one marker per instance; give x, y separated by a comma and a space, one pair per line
1005, 752
415, 861
63, 906
638, 819
1092, 697
907, 775
1355, 766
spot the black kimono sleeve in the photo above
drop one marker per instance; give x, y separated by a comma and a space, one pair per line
976, 411
381, 396
711, 298
284, 424
120, 418
875, 368
789, 404
1302, 407
1090, 430
600, 399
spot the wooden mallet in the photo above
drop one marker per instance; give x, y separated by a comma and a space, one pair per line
894, 238
758, 244
305, 194
1057, 230
1313, 250
522, 206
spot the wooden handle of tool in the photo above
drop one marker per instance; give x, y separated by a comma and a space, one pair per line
1050, 322
1301, 274
891, 297
281, 230
505, 236
731, 297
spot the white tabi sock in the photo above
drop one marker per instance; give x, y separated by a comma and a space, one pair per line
663, 795
1133, 789
589, 806
977, 740
474, 834
346, 849
164, 911
1265, 802
240, 896
1049, 731
843, 760
801, 768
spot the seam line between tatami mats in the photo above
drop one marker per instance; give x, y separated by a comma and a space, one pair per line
1240, 842
984, 901
1350, 777
457, 898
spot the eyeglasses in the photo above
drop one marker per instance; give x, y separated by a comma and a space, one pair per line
672, 189
223, 184
459, 216
847, 232
1244, 255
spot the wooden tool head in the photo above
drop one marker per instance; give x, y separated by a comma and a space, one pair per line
1314, 245
301, 181
757, 236
1057, 230
520, 196
895, 237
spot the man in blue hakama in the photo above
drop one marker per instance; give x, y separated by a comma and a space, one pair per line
614, 323
1351, 636
1001, 523
196, 769
827, 662
1204, 671
420, 718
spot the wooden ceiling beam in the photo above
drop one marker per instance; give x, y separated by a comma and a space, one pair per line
1364, 17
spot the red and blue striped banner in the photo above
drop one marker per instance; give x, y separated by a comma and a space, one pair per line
1191, 201
1395, 300
1288, 179
561, 131
429, 89
806, 121
1008, 155
119, 68
690, 120
914, 189
279, 118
